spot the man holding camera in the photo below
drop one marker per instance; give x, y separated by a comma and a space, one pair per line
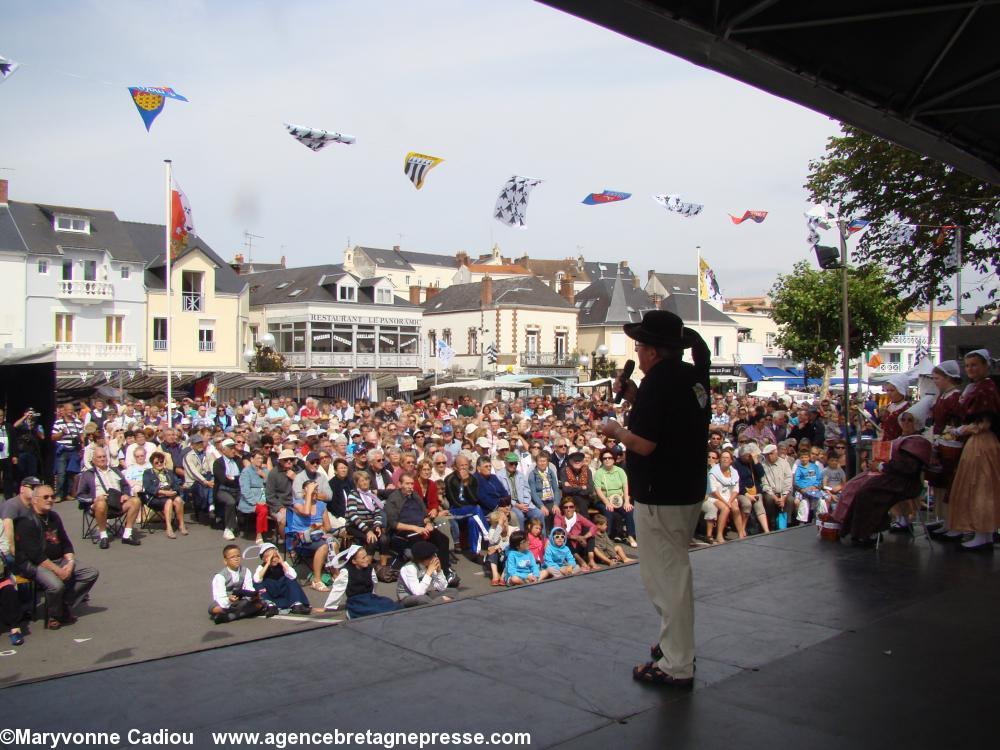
67, 431
665, 461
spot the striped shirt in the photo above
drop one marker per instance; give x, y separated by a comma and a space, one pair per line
71, 430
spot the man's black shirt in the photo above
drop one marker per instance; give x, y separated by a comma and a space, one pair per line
671, 410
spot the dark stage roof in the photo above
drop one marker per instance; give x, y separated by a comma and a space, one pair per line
925, 74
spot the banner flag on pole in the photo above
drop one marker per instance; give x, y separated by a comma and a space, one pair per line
181, 221
708, 287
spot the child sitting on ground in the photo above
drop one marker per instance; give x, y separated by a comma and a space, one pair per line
361, 597
559, 560
233, 594
536, 543
521, 566
605, 551
498, 540
275, 579
421, 580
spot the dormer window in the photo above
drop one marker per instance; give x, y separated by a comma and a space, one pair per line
283, 284
383, 296
345, 293
72, 224
295, 292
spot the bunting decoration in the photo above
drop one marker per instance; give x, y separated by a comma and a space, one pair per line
875, 361
900, 234
416, 166
856, 225
7, 68
675, 204
512, 203
149, 101
181, 221
608, 196
708, 286
814, 224
755, 216
315, 139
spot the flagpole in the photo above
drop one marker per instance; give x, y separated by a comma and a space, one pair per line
170, 323
700, 281
958, 273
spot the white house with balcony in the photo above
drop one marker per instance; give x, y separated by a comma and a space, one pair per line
899, 353
71, 278
324, 317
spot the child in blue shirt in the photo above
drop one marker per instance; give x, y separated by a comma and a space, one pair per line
808, 483
521, 566
559, 560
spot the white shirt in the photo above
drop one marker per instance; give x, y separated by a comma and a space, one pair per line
219, 594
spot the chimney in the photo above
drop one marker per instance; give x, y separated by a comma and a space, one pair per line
486, 292
650, 274
623, 264
282, 261
566, 290
3, 192
430, 292
238, 259
414, 295
635, 282
462, 257
395, 248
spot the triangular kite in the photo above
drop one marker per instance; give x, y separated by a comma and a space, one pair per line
416, 166
7, 68
149, 101
315, 139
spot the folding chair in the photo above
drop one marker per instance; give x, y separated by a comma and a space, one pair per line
32, 587
116, 521
148, 514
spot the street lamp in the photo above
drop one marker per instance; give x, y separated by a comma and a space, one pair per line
266, 340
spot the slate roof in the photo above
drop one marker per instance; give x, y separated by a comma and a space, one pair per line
428, 259
402, 260
317, 285
35, 223
10, 238
611, 302
547, 269
598, 269
148, 239
532, 292
686, 306
678, 283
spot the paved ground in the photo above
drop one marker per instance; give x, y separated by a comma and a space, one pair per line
801, 643
150, 602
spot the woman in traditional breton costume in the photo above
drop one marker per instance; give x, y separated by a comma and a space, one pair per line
974, 500
946, 414
897, 388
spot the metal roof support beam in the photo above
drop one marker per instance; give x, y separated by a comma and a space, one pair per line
955, 91
746, 15
861, 17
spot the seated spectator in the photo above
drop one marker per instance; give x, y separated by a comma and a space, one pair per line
198, 478
407, 520
778, 499
361, 597
341, 487
613, 500
226, 478
834, 478
725, 481
520, 567
522, 506
233, 593
364, 518
276, 579
44, 553
559, 560
10, 604
607, 552
536, 543
808, 483
253, 499
580, 532
313, 533
461, 490
422, 580
543, 483
162, 489
497, 540
576, 481
104, 489
751, 497
278, 489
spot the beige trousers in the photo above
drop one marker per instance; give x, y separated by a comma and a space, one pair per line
664, 533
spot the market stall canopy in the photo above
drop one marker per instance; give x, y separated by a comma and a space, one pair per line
923, 74
595, 383
479, 385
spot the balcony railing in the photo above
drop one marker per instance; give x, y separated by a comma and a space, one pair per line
159, 345
886, 367
87, 291
83, 351
546, 359
908, 340
192, 301
206, 346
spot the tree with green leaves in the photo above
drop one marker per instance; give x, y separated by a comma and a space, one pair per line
864, 176
808, 304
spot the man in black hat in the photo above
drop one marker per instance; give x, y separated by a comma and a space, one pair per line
666, 443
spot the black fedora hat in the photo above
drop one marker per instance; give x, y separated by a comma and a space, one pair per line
658, 328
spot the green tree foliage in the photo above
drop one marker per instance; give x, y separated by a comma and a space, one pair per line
868, 177
808, 304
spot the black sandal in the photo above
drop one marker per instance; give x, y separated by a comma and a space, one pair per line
653, 675
657, 653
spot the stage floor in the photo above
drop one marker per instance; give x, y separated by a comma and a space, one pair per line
801, 643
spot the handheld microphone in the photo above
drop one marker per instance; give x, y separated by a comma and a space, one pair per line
623, 379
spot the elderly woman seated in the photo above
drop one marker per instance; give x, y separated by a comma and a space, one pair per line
863, 510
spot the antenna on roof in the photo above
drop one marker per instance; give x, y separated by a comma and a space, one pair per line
248, 239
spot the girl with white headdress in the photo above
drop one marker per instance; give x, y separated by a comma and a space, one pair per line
945, 413
897, 388
975, 492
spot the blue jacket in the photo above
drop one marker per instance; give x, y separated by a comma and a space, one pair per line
490, 491
520, 483
535, 486
808, 476
520, 564
556, 556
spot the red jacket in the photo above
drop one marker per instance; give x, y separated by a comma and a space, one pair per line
583, 526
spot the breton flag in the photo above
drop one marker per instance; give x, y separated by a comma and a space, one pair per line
181, 222
708, 287
491, 354
416, 166
755, 216
920, 354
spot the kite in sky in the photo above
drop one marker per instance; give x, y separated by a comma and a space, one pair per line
149, 101
317, 139
755, 216
7, 68
608, 196
416, 166
512, 203
675, 204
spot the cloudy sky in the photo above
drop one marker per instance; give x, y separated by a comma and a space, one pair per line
495, 88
